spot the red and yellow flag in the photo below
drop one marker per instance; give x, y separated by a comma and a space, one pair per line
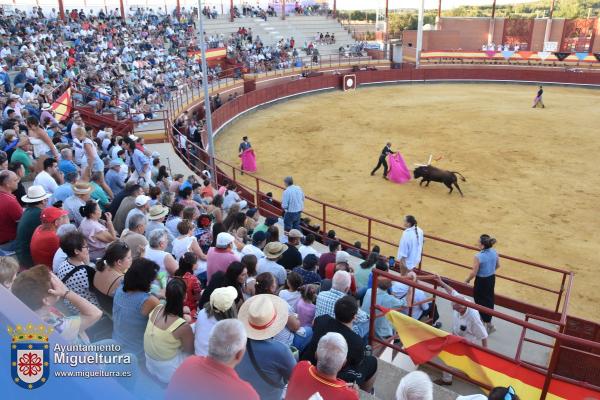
423, 342
211, 54
62, 106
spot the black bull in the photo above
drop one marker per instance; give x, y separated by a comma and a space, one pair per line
429, 173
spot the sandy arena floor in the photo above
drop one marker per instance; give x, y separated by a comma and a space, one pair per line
532, 181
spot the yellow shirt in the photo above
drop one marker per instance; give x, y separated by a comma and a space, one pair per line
160, 344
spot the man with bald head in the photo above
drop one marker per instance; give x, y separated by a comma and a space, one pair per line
11, 210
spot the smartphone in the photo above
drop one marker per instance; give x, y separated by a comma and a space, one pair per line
392, 261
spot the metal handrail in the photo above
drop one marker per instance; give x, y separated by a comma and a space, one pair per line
558, 337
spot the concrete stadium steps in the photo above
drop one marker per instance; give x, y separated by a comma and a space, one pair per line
302, 29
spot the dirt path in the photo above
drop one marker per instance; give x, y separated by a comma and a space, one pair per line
533, 180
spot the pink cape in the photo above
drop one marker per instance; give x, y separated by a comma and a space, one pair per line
248, 160
399, 172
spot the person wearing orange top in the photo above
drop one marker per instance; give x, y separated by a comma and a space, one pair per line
308, 380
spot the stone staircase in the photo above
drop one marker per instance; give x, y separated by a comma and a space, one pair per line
302, 28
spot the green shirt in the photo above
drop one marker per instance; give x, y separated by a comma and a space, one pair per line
21, 156
29, 221
99, 195
260, 228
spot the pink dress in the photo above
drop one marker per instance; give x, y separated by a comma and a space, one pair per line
248, 160
399, 172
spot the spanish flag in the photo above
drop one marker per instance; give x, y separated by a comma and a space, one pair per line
211, 54
62, 106
423, 342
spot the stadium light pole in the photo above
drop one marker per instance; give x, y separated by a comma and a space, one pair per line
207, 113
420, 33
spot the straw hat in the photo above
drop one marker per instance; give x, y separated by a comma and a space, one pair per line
263, 316
46, 107
34, 194
274, 249
82, 188
157, 212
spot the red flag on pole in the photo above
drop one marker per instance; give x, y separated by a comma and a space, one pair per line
62, 106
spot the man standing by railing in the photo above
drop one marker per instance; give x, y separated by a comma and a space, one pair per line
293, 204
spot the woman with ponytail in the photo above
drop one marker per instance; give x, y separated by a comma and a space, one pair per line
411, 245
485, 264
111, 268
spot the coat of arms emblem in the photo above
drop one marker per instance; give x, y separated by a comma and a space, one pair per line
30, 355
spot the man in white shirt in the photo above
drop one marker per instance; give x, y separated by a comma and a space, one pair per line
411, 244
45, 179
306, 248
273, 252
466, 323
259, 240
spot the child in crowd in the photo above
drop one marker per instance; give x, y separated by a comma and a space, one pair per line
8, 271
291, 294
187, 265
305, 307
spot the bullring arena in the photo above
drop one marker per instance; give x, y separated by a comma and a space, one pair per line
529, 181
457, 96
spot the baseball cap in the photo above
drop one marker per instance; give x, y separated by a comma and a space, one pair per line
51, 214
115, 163
342, 257
222, 298
141, 200
224, 239
295, 233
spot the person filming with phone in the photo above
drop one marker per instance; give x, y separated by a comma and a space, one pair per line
466, 323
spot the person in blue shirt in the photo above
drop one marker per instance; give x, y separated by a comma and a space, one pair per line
485, 264
292, 203
66, 164
4, 78
65, 190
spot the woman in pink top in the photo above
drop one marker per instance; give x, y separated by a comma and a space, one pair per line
219, 257
305, 307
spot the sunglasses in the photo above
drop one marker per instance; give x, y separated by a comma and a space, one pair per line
510, 393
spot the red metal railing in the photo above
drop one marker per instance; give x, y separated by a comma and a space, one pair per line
561, 341
373, 230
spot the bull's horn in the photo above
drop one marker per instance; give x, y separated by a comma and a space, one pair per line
430, 157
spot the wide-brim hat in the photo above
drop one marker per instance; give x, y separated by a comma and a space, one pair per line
274, 249
82, 188
263, 316
46, 107
157, 212
34, 194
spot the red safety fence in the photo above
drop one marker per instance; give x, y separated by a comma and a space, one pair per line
357, 226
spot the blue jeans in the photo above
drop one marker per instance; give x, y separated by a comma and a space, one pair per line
291, 220
300, 342
8, 248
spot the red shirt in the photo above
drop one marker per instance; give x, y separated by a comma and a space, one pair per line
9, 216
204, 378
306, 381
330, 270
192, 294
43, 246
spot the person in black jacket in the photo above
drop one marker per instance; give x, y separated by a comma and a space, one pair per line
382, 160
